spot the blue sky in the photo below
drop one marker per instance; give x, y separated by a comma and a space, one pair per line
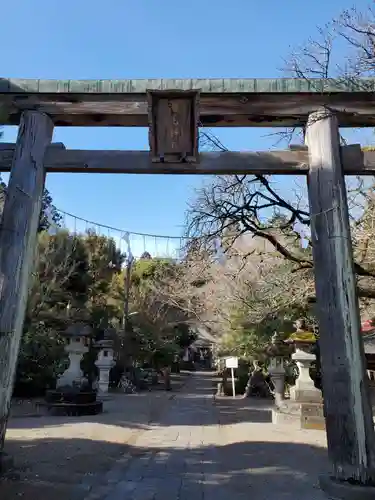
149, 39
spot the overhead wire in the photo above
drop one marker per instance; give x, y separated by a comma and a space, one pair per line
112, 228
160, 248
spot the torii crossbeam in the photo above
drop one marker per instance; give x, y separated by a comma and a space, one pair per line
223, 102
60, 160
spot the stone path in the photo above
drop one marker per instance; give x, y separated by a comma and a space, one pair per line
206, 449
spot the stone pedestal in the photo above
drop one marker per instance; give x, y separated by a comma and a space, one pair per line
75, 348
300, 415
304, 389
104, 364
77, 335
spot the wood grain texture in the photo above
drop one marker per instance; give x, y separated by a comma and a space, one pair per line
349, 424
215, 109
173, 126
209, 85
18, 233
223, 102
58, 160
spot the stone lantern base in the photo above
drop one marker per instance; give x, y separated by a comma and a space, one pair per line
302, 415
304, 409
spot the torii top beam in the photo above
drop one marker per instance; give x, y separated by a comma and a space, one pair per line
223, 102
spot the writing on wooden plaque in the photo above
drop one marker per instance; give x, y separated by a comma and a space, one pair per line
173, 126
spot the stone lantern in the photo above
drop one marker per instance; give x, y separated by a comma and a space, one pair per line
104, 362
277, 351
303, 341
77, 336
305, 406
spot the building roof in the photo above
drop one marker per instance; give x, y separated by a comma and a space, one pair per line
204, 337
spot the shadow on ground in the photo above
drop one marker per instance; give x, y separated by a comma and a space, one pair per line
138, 411
230, 451
134, 411
244, 410
256, 467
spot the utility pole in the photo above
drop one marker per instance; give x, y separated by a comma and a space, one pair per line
127, 283
127, 279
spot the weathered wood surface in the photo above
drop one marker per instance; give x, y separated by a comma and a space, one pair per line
57, 159
173, 126
11, 146
223, 102
208, 85
18, 233
349, 424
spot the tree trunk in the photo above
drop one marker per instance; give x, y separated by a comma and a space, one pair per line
17, 245
349, 424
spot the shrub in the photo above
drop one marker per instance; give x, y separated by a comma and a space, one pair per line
41, 360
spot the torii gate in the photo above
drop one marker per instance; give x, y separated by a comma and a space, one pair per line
173, 110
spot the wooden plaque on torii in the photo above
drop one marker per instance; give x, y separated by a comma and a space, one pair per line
173, 126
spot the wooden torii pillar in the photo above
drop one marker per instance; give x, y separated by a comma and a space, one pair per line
18, 234
347, 407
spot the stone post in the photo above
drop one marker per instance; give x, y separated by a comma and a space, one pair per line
277, 351
277, 373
